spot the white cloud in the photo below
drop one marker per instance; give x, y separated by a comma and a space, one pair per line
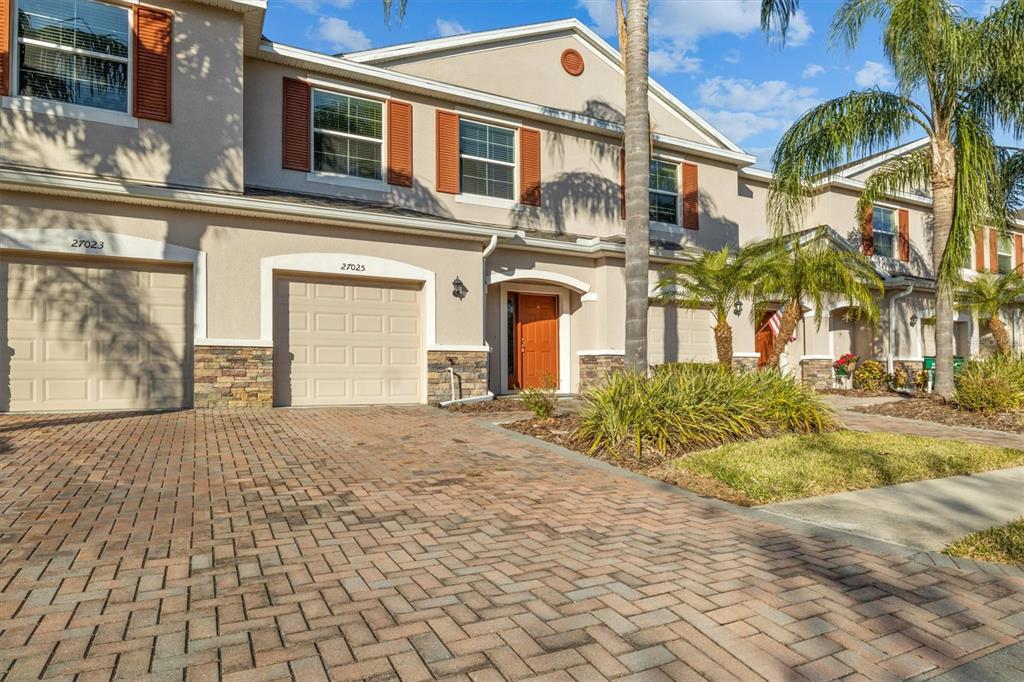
447, 28
602, 15
812, 71
669, 61
742, 109
340, 36
799, 31
874, 74
732, 57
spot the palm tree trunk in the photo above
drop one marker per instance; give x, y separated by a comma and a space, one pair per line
723, 343
636, 137
943, 189
999, 334
790, 319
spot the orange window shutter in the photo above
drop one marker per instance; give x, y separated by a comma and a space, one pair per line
904, 235
152, 67
622, 184
295, 125
867, 233
5, 47
447, 152
993, 251
529, 167
691, 197
399, 143
979, 250
1018, 247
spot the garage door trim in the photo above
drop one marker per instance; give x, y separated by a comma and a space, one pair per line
116, 246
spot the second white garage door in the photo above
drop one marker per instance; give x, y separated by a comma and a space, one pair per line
346, 342
679, 335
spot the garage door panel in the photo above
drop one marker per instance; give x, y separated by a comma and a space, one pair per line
363, 345
679, 335
91, 334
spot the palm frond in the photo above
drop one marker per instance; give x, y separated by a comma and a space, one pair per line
849, 20
394, 8
775, 17
988, 294
831, 134
900, 174
996, 94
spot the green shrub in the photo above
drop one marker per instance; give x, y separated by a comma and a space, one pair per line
921, 379
541, 401
870, 375
683, 407
899, 379
995, 384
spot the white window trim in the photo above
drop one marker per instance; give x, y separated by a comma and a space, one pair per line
464, 197
895, 233
1000, 253
79, 112
676, 227
341, 179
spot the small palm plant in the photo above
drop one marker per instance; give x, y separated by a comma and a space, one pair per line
805, 271
988, 295
716, 280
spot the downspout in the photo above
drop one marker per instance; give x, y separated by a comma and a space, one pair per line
488, 250
892, 326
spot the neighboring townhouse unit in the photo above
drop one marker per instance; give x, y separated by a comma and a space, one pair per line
194, 215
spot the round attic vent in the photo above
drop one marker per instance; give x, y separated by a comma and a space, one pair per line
572, 62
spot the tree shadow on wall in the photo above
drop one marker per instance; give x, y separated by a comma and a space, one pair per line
573, 196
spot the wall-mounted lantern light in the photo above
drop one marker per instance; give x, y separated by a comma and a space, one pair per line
737, 308
913, 320
459, 289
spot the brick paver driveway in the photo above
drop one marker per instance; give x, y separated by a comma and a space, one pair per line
412, 543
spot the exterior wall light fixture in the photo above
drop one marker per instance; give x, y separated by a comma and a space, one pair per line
459, 289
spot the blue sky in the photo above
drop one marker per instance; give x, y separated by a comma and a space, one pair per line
710, 53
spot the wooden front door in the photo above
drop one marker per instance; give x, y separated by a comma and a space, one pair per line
764, 339
537, 341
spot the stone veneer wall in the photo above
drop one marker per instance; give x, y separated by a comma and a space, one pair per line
234, 376
816, 373
594, 368
470, 374
744, 364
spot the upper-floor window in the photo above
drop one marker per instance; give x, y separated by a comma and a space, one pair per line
1005, 252
664, 186
487, 159
348, 135
884, 226
74, 51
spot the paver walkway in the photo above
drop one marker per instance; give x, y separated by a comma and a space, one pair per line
925, 515
410, 543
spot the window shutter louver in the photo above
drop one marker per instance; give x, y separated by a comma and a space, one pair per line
691, 197
622, 184
979, 250
447, 152
867, 233
5, 47
399, 143
295, 125
1018, 247
529, 167
152, 67
904, 235
993, 251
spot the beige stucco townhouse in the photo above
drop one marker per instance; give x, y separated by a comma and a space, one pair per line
194, 215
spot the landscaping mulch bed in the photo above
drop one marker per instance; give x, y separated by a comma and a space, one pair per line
936, 410
489, 406
858, 392
559, 431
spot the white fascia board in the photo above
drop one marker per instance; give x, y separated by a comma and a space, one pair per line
346, 68
883, 157
237, 5
757, 174
844, 183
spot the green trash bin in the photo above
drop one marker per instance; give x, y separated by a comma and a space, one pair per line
929, 362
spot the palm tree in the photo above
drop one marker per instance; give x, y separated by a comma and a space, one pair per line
988, 295
636, 140
807, 270
716, 280
958, 77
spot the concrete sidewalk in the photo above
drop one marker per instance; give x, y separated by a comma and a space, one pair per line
924, 515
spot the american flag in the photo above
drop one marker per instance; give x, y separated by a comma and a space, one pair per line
775, 323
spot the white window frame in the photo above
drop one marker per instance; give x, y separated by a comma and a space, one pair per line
895, 210
677, 225
464, 197
343, 179
1000, 253
71, 110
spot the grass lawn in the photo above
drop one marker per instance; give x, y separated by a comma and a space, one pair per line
1004, 544
796, 466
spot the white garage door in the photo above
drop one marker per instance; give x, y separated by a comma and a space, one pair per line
679, 335
95, 335
346, 342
